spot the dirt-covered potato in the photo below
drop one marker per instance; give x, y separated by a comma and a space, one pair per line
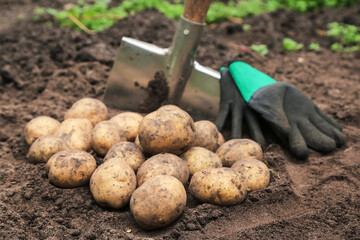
237, 149
90, 108
207, 135
76, 133
221, 139
70, 168
198, 158
104, 135
137, 142
40, 126
167, 130
44, 147
257, 174
221, 186
127, 151
163, 164
112, 183
129, 123
158, 202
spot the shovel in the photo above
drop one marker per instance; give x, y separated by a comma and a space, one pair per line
194, 88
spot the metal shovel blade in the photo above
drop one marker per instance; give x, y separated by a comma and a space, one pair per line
137, 62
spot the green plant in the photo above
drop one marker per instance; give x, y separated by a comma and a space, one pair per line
98, 16
347, 35
314, 47
291, 46
246, 27
261, 49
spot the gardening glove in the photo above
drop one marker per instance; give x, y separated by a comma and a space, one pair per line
231, 102
293, 117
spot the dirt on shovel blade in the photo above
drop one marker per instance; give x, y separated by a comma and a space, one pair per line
45, 69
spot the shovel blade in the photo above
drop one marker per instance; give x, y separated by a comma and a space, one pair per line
136, 64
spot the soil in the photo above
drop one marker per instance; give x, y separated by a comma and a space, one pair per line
44, 69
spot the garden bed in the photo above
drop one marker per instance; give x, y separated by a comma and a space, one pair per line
44, 69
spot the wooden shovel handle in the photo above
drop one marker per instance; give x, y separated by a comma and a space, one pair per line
196, 10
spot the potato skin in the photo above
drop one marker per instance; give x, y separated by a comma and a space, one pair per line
198, 158
163, 164
70, 168
220, 186
112, 183
129, 123
158, 202
90, 108
104, 135
207, 135
257, 174
40, 126
167, 130
237, 149
44, 147
127, 151
76, 133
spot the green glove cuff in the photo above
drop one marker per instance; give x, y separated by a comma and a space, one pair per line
248, 79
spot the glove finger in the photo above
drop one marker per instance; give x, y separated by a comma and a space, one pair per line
297, 143
254, 127
325, 127
314, 138
221, 117
328, 119
237, 117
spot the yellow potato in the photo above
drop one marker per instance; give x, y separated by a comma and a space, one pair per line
112, 183
257, 174
70, 168
127, 151
158, 202
167, 130
76, 133
44, 147
237, 149
221, 139
207, 135
198, 158
163, 164
137, 142
220, 186
129, 123
40, 126
89, 108
104, 135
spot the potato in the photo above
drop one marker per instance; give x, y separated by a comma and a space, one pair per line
127, 151
257, 174
137, 142
129, 123
221, 186
163, 164
237, 149
70, 168
198, 158
221, 139
44, 147
112, 183
207, 135
89, 108
76, 133
40, 126
158, 202
104, 135
167, 130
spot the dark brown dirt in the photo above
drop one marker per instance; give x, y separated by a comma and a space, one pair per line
43, 70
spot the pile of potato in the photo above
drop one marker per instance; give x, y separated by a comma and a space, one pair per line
147, 160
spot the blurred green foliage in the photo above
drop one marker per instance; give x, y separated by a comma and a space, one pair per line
98, 16
347, 35
291, 46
